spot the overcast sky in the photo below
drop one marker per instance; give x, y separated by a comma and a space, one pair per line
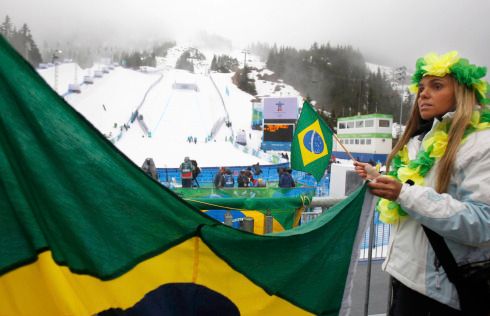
390, 32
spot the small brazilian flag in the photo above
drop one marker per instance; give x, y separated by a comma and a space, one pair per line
312, 143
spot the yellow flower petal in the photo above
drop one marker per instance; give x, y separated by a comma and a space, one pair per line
404, 155
436, 65
388, 211
483, 125
389, 218
441, 127
405, 173
481, 87
475, 118
439, 143
413, 88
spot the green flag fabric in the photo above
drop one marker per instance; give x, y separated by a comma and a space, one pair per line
312, 143
84, 231
284, 204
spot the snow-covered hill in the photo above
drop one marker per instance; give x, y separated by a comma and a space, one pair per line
168, 114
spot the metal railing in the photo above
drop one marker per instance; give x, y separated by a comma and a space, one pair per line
380, 231
372, 247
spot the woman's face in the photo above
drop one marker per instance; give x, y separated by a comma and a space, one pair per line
436, 96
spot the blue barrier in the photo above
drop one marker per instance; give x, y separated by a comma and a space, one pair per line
269, 175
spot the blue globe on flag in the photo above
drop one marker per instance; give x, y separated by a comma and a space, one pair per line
313, 142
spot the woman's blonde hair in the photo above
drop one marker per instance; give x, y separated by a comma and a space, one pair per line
465, 100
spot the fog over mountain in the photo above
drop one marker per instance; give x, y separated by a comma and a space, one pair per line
386, 31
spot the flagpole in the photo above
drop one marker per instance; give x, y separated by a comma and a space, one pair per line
345, 149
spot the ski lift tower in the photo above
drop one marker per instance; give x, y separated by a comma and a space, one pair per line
245, 52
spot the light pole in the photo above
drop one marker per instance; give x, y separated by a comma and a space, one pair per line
400, 76
245, 51
55, 62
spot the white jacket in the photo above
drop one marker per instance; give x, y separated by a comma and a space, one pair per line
461, 216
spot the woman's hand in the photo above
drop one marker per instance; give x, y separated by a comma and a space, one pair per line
386, 188
365, 170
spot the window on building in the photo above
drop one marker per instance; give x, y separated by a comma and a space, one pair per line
357, 141
363, 141
341, 125
341, 141
368, 141
350, 124
384, 123
359, 124
369, 123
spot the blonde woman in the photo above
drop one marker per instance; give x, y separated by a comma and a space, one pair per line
439, 177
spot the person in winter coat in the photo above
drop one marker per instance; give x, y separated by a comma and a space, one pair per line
219, 179
195, 172
440, 178
242, 179
149, 168
256, 169
285, 179
229, 179
186, 169
249, 174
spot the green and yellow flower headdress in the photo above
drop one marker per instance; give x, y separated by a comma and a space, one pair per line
452, 64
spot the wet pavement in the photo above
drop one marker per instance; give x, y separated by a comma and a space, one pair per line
378, 298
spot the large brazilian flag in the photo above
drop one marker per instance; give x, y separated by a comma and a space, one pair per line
83, 231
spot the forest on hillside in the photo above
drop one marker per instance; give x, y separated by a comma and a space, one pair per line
337, 79
22, 40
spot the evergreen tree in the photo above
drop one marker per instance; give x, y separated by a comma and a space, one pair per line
213, 64
134, 60
31, 50
196, 54
185, 62
34, 55
21, 40
242, 80
137, 59
6, 28
224, 64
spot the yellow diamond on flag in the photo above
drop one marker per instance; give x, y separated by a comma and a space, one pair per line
312, 143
